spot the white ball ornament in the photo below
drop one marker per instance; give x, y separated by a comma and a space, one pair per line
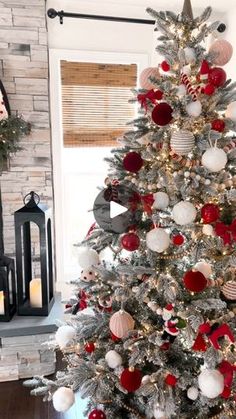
194, 108
113, 359
204, 268
87, 257
158, 413
87, 275
182, 142
63, 399
158, 240
211, 383
161, 200
145, 380
184, 213
214, 159
181, 91
192, 393
190, 56
208, 230
231, 111
64, 335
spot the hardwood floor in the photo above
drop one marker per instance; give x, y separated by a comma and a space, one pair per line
16, 403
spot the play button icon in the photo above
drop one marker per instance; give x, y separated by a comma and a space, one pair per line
116, 209
113, 214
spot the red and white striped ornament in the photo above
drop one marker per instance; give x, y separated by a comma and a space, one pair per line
193, 91
229, 290
114, 184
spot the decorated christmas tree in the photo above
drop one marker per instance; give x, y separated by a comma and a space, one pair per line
158, 341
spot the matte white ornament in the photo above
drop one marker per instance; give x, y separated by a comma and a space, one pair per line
63, 399
158, 240
145, 380
152, 305
87, 257
231, 111
121, 323
186, 70
64, 335
190, 56
87, 275
194, 108
211, 383
161, 200
204, 268
208, 230
159, 413
113, 359
184, 213
181, 91
192, 393
182, 142
214, 159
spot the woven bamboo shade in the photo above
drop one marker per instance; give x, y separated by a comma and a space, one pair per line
95, 104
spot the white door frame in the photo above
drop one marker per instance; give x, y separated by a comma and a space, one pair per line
55, 56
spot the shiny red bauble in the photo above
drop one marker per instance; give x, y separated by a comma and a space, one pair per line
132, 162
165, 66
178, 239
209, 89
195, 281
97, 414
162, 114
89, 347
130, 242
210, 213
218, 125
217, 76
131, 379
171, 380
158, 94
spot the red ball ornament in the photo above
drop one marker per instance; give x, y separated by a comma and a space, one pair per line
171, 380
210, 213
204, 328
178, 240
114, 338
209, 89
226, 393
218, 125
195, 281
165, 66
217, 77
130, 242
131, 379
97, 414
89, 347
158, 94
132, 162
162, 114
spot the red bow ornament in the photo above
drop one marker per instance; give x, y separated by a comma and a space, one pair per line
151, 95
146, 201
227, 370
226, 232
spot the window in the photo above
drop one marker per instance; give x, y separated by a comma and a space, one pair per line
95, 105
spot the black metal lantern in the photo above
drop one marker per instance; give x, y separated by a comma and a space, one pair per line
34, 261
7, 289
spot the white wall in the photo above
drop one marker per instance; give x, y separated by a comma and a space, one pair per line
100, 35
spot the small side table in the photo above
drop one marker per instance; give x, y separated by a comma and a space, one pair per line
22, 354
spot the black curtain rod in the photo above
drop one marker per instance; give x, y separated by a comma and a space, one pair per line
52, 13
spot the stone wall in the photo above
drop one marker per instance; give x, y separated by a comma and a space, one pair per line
24, 72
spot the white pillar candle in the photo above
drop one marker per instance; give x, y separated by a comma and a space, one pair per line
2, 311
35, 292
